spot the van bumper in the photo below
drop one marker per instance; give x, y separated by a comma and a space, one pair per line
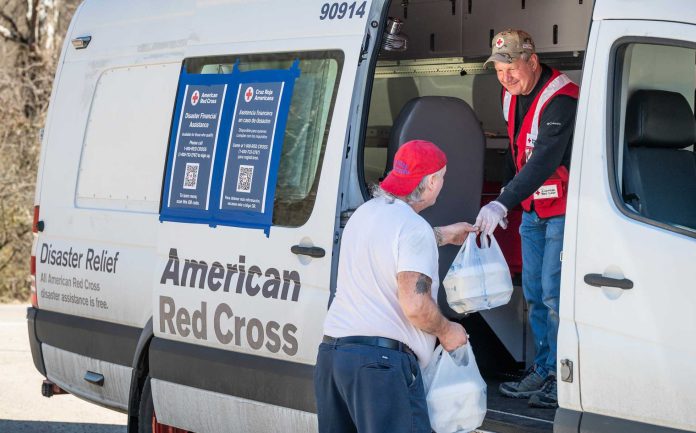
34, 343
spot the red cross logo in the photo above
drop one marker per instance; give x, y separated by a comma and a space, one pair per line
248, 94
195, 98
499, 43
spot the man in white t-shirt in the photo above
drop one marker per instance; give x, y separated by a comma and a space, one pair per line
384, 319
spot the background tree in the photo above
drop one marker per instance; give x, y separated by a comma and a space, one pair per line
31, 36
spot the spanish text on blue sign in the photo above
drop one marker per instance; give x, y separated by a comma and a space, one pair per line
251, 146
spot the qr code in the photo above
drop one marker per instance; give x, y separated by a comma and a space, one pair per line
191, 176
246, 173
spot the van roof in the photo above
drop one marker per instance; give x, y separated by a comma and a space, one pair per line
667, 10
154, 27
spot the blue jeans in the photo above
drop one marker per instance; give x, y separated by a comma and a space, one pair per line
369, 389
542, 243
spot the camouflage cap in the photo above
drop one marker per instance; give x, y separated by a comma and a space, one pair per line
509, 45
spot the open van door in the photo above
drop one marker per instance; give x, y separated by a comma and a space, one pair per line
635, 203
239, 301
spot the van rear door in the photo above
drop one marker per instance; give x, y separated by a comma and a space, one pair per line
635, 205
238, 307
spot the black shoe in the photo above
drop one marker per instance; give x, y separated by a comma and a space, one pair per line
530, 384
548, 396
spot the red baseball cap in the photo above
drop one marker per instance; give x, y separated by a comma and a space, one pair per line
414, 160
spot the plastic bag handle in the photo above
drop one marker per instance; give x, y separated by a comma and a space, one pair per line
461, 360
488, 241
441, 352
470, 241
485, 241
437, 354
493, 242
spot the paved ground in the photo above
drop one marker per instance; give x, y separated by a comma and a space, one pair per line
22, 408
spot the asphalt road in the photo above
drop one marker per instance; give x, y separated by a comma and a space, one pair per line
22, 408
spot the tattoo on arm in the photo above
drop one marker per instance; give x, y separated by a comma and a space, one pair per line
438, 236
424, 284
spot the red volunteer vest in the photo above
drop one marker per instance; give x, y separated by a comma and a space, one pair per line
550, 198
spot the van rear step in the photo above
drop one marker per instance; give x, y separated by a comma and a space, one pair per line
512, 415
500, 422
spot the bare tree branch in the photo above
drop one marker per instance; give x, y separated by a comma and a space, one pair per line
11, 22
32, 17
11, 35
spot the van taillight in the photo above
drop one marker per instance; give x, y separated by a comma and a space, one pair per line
35, 224
32, 265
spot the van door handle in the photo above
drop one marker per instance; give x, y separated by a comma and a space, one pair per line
315, 252
599, 280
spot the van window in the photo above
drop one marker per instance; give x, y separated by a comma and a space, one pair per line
396, 84
308, 124
393, 89
654, 158
121, 165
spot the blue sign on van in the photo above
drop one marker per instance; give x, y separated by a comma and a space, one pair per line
225, 145
194, 149
251, 144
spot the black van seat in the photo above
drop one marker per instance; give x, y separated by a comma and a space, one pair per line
452, 125
659, 173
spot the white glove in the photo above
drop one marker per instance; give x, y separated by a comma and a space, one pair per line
490, 216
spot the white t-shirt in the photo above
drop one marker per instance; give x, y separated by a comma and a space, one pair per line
380, 240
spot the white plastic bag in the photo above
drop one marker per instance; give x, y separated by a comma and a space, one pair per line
479, 278
456, 394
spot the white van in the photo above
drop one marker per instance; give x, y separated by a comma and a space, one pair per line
200, 159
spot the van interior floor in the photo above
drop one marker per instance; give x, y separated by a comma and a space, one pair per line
513, 415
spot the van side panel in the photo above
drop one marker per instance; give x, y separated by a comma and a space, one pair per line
68, 371
253, 350
265, 380
151, 30
95, 261
67, 46
100, 184
237, 320
221, 413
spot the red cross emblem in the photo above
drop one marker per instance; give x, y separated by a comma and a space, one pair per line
195, 97
248, 94
499, 42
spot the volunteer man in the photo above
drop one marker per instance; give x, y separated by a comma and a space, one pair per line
384, 318
539, 105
